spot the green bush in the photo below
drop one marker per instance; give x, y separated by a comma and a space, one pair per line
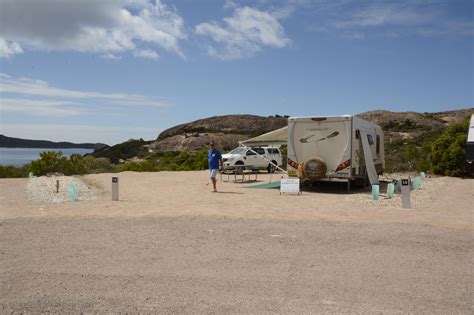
96, 165
135, 167
410, 155
13, 171
51, 162
179, 161
449, 150
55, 162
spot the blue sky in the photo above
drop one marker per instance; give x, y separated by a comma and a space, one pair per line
106, 71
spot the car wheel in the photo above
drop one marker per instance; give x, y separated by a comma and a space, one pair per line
271, 168
239, 167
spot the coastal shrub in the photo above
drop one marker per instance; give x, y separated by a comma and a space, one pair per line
179, 161
449, 150
76, 165
51, 162
144, 166
55, 162
410, 154
8, 171
407, 156
96, 165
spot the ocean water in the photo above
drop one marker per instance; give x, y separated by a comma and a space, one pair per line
22, 156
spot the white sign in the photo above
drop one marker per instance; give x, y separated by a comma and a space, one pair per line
290, 185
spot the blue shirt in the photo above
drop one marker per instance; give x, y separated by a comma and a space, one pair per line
213, 158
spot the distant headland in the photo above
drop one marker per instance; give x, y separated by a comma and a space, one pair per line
9, 142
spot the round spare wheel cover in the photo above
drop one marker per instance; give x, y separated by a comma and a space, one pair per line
315, 168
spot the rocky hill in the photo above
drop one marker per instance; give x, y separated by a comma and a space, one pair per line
228, 130
411, 125
250, 125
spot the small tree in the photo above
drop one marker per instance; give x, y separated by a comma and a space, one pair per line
50, 162
449, 150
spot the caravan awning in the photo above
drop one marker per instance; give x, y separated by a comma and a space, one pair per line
276, 138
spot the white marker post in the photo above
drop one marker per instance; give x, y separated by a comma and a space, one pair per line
406, 190
115, 189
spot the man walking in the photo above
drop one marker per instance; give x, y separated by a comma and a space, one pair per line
213, 159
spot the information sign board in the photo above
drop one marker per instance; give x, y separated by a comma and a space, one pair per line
290, 185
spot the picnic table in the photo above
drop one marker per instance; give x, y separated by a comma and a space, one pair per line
240, 173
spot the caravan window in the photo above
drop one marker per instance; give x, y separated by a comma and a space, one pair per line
377, 148
370, 139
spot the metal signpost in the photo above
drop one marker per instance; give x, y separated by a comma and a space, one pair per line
405, 189
115, 189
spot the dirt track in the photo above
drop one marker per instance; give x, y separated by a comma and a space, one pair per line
103, 257
219, 265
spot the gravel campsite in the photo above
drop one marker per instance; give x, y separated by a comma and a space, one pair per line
171, 245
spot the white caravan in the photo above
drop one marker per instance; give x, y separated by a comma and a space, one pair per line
325, 148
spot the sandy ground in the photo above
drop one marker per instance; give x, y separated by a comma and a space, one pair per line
170, 245
441, 201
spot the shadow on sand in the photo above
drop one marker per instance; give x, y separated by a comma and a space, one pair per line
341, 188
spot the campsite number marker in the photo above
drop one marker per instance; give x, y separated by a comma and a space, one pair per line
115, 189
405, 189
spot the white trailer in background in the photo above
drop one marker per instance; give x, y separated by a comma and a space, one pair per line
335, 148
469, 164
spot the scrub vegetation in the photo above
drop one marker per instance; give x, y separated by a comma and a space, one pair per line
448, 152
440, 151
54, 162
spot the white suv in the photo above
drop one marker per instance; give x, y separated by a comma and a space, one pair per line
253, 158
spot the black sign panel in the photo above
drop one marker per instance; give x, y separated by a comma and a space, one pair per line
405, 182
114, 179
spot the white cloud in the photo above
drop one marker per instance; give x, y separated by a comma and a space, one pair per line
8, 49
37, 98
147, 54
378, 15
111, 56
107, 27
47, 108
390, 19
27, 86
244, 34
